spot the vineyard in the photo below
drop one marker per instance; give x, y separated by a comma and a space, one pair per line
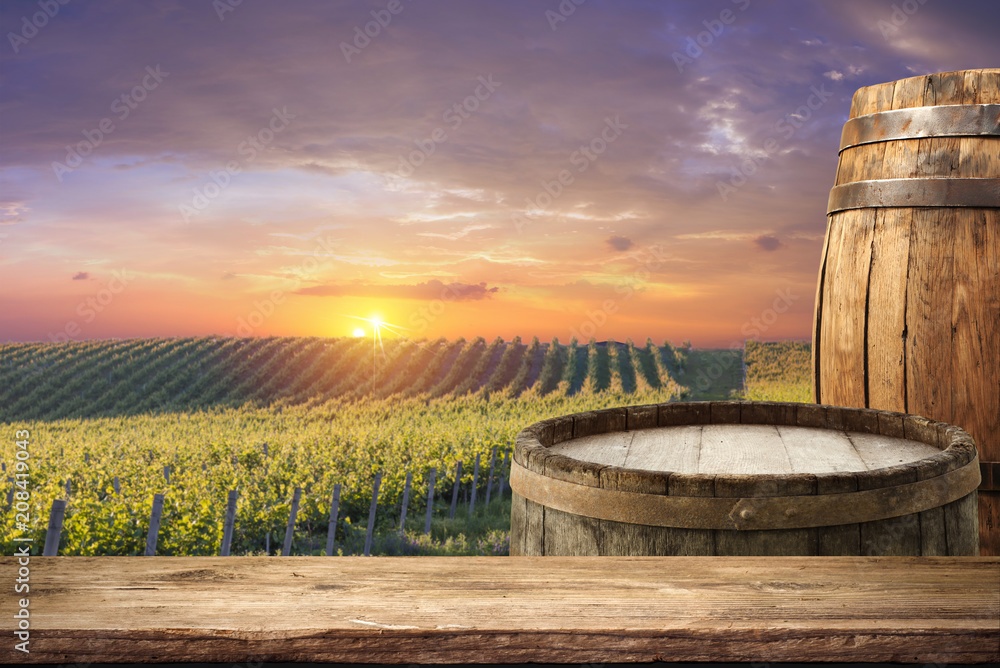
43, 381
112, 423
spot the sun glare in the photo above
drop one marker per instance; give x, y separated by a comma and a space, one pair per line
359, 332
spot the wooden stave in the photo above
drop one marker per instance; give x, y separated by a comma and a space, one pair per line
881, 373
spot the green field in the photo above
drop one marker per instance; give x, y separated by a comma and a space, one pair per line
328, 414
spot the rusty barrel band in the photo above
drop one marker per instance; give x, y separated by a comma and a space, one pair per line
931, 192
958, 120
748, 513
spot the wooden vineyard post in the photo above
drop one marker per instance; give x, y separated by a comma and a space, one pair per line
489, 478
154, 525
10, 492
166, 473
454, 491
286, 550
55, 528
475, 483
504, 472
371, 514
430, 501
117, 486
227, 533
331, 532
406, 500
69, 489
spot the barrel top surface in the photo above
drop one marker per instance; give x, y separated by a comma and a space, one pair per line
744, 449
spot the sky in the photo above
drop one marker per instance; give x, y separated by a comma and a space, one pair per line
585, 168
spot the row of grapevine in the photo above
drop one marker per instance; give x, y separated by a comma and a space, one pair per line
133, 377
99, 513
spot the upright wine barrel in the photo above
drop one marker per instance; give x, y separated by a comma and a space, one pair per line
743, 479
908, 301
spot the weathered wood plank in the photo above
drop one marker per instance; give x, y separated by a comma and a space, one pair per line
534, 534
569, 534
744, 448
883, 451
849, 297
887, 310
665, 449
962, 535
929, 296
842, 539
828, 329
820, 451
736, 449
518, 528
975, 322
488, 609
609, 449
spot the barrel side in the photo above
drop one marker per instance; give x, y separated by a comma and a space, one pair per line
908, 301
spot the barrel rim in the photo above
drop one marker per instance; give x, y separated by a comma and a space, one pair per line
531, 448
862, 91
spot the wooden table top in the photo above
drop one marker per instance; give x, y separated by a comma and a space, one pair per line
515, 609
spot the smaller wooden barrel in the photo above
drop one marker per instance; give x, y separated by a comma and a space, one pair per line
744, 478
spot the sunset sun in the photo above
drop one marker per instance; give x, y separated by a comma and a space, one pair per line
359, 332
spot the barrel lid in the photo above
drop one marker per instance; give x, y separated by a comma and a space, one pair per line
745, 449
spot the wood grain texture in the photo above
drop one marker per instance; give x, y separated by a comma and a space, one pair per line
510, 610
669, 449
735, 449
518, 524
739, 449
932, 334
887, 310
928, 315
828, 367
610, 449
820, 451
843, 539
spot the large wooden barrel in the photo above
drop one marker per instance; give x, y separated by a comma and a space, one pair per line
743, 478
908, 301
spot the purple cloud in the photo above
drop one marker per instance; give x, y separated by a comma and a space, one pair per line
619, 243
768, 242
